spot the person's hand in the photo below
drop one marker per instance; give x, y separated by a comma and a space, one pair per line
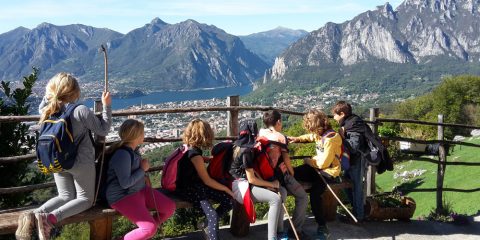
145, 165
229, 192
276, 184
147, 181
292, 139
106, 99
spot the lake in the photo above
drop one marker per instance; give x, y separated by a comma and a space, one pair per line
174, 96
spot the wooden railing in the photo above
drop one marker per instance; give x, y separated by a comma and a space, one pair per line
233, 109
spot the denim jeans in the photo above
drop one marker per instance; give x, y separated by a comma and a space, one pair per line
356, 173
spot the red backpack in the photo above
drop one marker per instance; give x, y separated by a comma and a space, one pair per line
170, 169
219, 166
264, 166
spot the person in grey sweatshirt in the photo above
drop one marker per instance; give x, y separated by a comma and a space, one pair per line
76, 186
127, 191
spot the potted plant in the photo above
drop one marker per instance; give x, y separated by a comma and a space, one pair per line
389, 205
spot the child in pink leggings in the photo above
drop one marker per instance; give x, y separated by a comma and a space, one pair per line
132, 208
127, 191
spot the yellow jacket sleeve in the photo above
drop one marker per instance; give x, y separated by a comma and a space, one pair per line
311, 137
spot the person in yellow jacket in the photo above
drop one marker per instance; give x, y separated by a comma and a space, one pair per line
328, 146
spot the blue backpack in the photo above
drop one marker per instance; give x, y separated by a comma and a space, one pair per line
56, 150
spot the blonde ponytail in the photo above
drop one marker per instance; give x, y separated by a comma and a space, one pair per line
61, 89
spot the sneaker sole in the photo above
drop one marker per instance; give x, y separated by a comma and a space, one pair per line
24, 232
42, 234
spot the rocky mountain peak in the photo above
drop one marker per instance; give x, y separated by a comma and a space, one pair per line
415, 32
387, 10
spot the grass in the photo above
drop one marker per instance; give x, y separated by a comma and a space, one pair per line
460, 177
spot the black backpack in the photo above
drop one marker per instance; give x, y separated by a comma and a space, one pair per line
377, 154
101, 170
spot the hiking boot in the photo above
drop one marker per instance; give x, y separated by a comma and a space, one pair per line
282, 236
301, 235
26, 222
322, 233
43, 225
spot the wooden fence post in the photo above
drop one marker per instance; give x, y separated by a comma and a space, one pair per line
232, 116
101, 228
370, 178
239, 224
442, 159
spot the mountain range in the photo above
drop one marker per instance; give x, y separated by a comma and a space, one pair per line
162, 56
403, 51
395, 52
269, 44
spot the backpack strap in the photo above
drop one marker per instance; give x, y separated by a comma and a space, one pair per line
328, 134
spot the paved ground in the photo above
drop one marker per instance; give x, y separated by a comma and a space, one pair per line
414, 230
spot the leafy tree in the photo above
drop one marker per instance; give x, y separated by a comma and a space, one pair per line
456, 98
15, 140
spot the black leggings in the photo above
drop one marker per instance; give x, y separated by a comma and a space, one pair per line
199, 195
306, 173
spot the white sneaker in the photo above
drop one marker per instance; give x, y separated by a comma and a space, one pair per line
43, 225
26, 222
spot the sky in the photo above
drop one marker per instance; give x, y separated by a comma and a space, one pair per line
239, 17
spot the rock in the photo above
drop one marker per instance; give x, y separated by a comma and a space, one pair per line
475, 133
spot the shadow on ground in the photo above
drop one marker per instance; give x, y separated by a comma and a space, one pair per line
414, 230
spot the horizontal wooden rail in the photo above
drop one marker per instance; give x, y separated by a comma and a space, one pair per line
431, 141
14, 159
422, 159
120, 113
445, 190
28, 188
32, 156
426, 123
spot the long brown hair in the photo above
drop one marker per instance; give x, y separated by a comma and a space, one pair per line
198, 134
61, 89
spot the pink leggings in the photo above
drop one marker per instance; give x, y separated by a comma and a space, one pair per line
135, 208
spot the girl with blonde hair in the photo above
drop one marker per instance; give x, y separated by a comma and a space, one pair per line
127, 191
76, 186
193, 182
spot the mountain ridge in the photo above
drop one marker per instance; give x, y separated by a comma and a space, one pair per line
417, 32
185, 55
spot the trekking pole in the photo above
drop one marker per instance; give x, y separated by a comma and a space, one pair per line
105, 59
335, 195
105, 89
289, 218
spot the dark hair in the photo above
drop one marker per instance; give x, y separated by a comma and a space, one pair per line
342, 106
270, 118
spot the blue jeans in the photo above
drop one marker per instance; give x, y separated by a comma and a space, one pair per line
355, 173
